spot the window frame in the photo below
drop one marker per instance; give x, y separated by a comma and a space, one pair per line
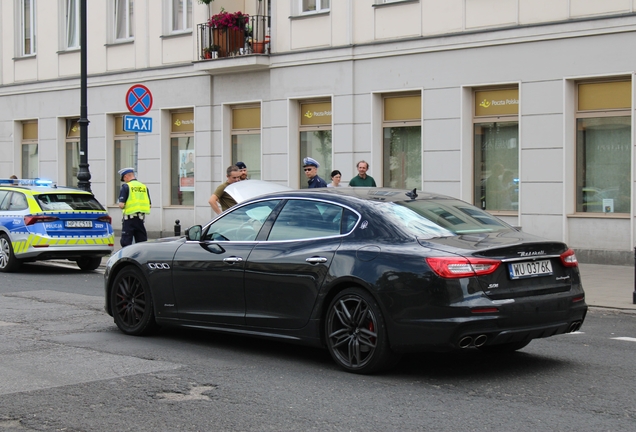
186, 18
69, 22
319, 7
22, 38
128, 20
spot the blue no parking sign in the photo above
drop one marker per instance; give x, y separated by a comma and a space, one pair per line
138, 100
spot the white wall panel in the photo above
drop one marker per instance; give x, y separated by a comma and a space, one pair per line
544, 198
544, 165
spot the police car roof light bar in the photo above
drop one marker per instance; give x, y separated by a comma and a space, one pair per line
28, 182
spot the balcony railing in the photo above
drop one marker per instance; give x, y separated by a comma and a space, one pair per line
251, 37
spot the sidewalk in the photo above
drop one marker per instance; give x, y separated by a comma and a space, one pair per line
606, 286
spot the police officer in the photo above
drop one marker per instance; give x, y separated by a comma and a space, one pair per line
310, 166
134, 200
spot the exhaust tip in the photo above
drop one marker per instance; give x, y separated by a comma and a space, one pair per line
574, 326
465, 342
480, 340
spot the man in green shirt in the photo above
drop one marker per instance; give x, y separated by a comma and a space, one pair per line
220, 196
362, 179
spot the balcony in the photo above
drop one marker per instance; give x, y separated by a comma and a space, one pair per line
242, 46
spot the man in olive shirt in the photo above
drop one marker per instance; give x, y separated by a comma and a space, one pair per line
220, 196
362, 179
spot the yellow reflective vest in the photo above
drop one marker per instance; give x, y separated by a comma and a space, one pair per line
138, 200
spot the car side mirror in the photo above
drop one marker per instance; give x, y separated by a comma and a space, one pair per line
194, 233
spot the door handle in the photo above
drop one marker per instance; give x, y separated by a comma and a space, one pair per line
232, 260
316, 260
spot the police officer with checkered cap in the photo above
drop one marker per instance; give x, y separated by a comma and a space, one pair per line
134, 200
311, 165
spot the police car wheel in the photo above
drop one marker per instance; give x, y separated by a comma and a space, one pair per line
131, 303
8, 261
89, 263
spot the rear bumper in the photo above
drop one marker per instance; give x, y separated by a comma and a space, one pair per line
489, 329
65, 252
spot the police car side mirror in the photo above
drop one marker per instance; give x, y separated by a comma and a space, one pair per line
194, 233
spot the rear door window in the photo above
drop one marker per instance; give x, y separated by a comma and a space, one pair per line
304, 219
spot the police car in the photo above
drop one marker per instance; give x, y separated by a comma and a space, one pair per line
39, 221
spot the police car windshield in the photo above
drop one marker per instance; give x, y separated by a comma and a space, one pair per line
68, 201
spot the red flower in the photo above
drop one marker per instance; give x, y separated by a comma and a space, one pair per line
227, 20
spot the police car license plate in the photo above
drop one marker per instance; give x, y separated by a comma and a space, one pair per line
79, 224
528, 269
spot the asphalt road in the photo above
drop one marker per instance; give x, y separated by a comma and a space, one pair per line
65, 366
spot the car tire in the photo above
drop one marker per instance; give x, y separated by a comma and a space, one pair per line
356, 334
89, 263
131, 303
504, 348
8, 261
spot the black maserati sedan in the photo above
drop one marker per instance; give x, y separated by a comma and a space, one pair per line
368, 273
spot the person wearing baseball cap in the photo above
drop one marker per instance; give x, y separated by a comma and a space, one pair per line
311, 165
134, 200
243, 168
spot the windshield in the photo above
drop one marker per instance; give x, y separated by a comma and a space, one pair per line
443, 218
68, 201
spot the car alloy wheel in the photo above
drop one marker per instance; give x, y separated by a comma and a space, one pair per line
8, 261
131, 303
356, 334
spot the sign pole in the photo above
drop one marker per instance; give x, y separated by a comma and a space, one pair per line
83, 175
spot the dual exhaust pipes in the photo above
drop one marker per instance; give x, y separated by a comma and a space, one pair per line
480, 340
475, 341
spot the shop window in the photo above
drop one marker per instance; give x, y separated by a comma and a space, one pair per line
123, 20
72, 151
402, 142
125, 152
182, 159
496, 150
30, 158
71, 24
315, 137
603, 147
246, 139
27, 27
180, 15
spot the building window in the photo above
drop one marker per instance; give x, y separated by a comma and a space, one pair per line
603, 147
307, 6
180, 15
72, 151
27, 27
496, 149
124, 24
315, 137
402, 141
30, 159
246, 139
125, 152
182, 157
72, 24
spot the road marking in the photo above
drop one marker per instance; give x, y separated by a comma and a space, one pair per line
628, 339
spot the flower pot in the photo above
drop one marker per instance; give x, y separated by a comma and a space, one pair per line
258, 47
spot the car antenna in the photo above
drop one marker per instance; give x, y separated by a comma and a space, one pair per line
412, 194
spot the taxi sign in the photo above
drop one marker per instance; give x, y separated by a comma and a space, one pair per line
138, 100
137, 124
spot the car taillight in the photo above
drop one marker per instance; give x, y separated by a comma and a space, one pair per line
459, 267
568, 258
106, 219
30, 220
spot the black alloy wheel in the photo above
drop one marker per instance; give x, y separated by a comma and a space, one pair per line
131, 303
8, 261
504, 348
89, 263
356, 334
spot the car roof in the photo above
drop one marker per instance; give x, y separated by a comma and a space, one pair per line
38, 186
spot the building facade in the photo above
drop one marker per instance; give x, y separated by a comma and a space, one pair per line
522, 107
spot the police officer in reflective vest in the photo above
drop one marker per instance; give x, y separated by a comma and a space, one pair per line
134, 200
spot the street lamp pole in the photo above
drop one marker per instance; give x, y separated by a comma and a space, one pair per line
84, 175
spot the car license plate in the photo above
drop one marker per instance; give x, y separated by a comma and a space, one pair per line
528, 269
79, 224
